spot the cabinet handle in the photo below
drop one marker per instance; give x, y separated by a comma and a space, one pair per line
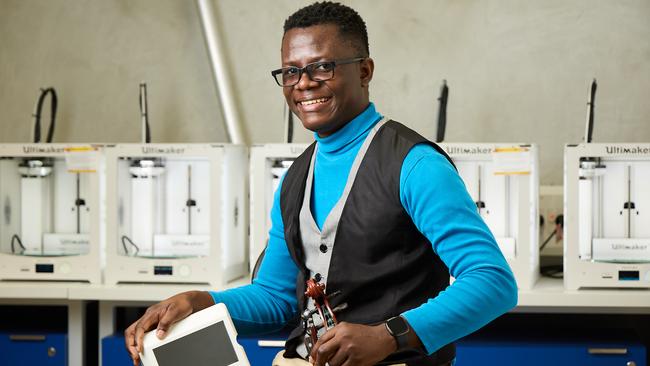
26, 338
269, 343
607, 351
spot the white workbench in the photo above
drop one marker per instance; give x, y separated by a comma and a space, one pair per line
547, 296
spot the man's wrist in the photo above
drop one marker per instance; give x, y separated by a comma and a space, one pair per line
387, 339
200, 300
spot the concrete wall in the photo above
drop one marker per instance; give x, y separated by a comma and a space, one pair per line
517, 70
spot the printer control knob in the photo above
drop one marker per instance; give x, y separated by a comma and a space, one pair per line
184, 270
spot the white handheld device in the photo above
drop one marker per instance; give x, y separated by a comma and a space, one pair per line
205, 338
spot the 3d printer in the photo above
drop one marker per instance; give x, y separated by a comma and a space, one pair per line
176, 213
49, 216
607, 212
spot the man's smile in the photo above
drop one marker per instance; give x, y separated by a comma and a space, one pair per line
313, 101
313, 104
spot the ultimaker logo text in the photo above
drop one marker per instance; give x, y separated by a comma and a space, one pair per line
639, 150
43, 150
616, 246
162, 150
468, 150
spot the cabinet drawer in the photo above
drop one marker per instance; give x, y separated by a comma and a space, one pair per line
33, 349
506, 352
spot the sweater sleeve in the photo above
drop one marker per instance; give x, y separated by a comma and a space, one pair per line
435, 197
270, 301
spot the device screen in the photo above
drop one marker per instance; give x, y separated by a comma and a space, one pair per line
209, 346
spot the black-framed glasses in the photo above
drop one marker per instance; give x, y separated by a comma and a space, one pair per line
317, 71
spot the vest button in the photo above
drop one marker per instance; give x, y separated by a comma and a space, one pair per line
323, 248
318, 277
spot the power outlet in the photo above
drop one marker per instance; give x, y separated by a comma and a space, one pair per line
551, 204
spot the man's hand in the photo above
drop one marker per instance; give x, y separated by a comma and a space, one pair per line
353, 345
161, 316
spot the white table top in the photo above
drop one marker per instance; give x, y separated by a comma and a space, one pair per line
43, 290
548, 295
140, 292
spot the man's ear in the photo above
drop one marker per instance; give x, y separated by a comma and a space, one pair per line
367, 67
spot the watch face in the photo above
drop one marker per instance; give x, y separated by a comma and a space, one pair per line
397, 325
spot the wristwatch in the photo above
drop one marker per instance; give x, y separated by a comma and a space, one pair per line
399, 329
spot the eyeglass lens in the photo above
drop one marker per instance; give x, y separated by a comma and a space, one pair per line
319, 71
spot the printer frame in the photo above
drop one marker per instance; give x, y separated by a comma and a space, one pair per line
521, 203
262, 192
82, 267
227, 254
580, 225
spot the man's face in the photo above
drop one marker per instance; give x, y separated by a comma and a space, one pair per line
325, 106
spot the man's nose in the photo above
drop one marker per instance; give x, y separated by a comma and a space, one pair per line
306, 82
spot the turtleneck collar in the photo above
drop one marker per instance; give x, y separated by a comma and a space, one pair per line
353, 131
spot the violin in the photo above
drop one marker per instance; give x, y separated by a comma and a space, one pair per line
322, 315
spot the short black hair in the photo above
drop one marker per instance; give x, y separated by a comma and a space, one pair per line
346, 19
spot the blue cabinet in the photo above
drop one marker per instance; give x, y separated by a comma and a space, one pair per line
114, 353
506, 351
471, 351
261, 350
42, 349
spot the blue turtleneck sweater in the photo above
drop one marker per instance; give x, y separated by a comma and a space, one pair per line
435, 197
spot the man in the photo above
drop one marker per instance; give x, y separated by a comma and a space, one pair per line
372, 210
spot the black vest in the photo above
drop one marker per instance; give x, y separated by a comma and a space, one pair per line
380, 262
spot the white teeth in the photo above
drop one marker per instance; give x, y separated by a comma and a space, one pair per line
313, 101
